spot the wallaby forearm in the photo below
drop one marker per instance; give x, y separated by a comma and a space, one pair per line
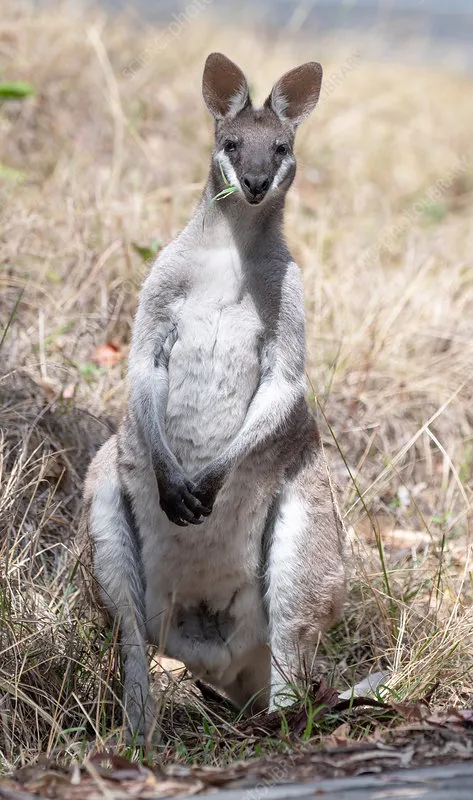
149, 386
148, 399
154, 337
270, 409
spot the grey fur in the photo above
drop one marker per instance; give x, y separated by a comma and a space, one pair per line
218, 435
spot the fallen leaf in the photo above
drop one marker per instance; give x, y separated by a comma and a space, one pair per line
435, 717
69, 391
339, 736
47, 780
323, 698
325, 694
122, 763
147, 254
106, 355
164, 664
367, 687
449, 716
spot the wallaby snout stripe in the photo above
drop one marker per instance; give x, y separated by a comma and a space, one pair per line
282, 172
227, 167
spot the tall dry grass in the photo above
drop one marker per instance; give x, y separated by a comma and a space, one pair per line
97, 165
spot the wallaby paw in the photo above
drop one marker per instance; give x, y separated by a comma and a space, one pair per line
207, 485
179, 503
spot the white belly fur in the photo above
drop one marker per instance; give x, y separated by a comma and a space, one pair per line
214, 372
214, 364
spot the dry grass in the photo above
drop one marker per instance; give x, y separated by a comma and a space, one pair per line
105, 161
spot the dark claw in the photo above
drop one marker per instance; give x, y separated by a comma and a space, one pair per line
183, 512
195, 505
205, 501
180, 522
181, 502
181, 506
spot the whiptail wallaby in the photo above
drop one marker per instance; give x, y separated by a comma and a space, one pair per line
210, 517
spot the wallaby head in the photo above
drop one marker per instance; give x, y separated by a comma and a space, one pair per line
254, 146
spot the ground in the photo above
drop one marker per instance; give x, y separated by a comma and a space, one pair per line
99, 168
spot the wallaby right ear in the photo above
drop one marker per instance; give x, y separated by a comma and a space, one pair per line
224, 87
295, 95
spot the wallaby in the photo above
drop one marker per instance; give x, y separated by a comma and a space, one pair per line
218, 435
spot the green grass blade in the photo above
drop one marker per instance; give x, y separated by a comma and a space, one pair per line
15, 90
11, 317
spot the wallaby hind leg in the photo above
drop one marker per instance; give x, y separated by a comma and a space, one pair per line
305, 573
115, 553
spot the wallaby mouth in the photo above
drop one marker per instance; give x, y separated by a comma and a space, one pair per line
254, 201
255, 187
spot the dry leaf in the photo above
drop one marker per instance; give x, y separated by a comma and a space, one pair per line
163, 664
367, 687
106, 355
435, 717
69, 391
339, 736
122, 763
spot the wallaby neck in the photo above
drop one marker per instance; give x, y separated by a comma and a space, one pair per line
250, 227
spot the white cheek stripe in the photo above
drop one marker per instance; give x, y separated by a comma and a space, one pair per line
227, 167
282, 172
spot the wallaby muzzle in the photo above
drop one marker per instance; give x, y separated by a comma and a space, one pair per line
255, 186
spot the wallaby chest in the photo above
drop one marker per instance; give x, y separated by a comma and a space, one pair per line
214, 363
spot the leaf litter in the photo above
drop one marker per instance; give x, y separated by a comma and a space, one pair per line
409, 735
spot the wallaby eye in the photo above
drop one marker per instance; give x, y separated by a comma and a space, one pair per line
230, 146
282, 149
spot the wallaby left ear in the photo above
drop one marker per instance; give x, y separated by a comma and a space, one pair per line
295, 95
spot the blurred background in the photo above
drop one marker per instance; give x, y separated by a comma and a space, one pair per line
104, 151
409, 29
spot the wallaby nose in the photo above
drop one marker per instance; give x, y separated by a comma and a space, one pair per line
255, 186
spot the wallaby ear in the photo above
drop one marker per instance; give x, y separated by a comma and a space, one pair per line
224, 87
295, 95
